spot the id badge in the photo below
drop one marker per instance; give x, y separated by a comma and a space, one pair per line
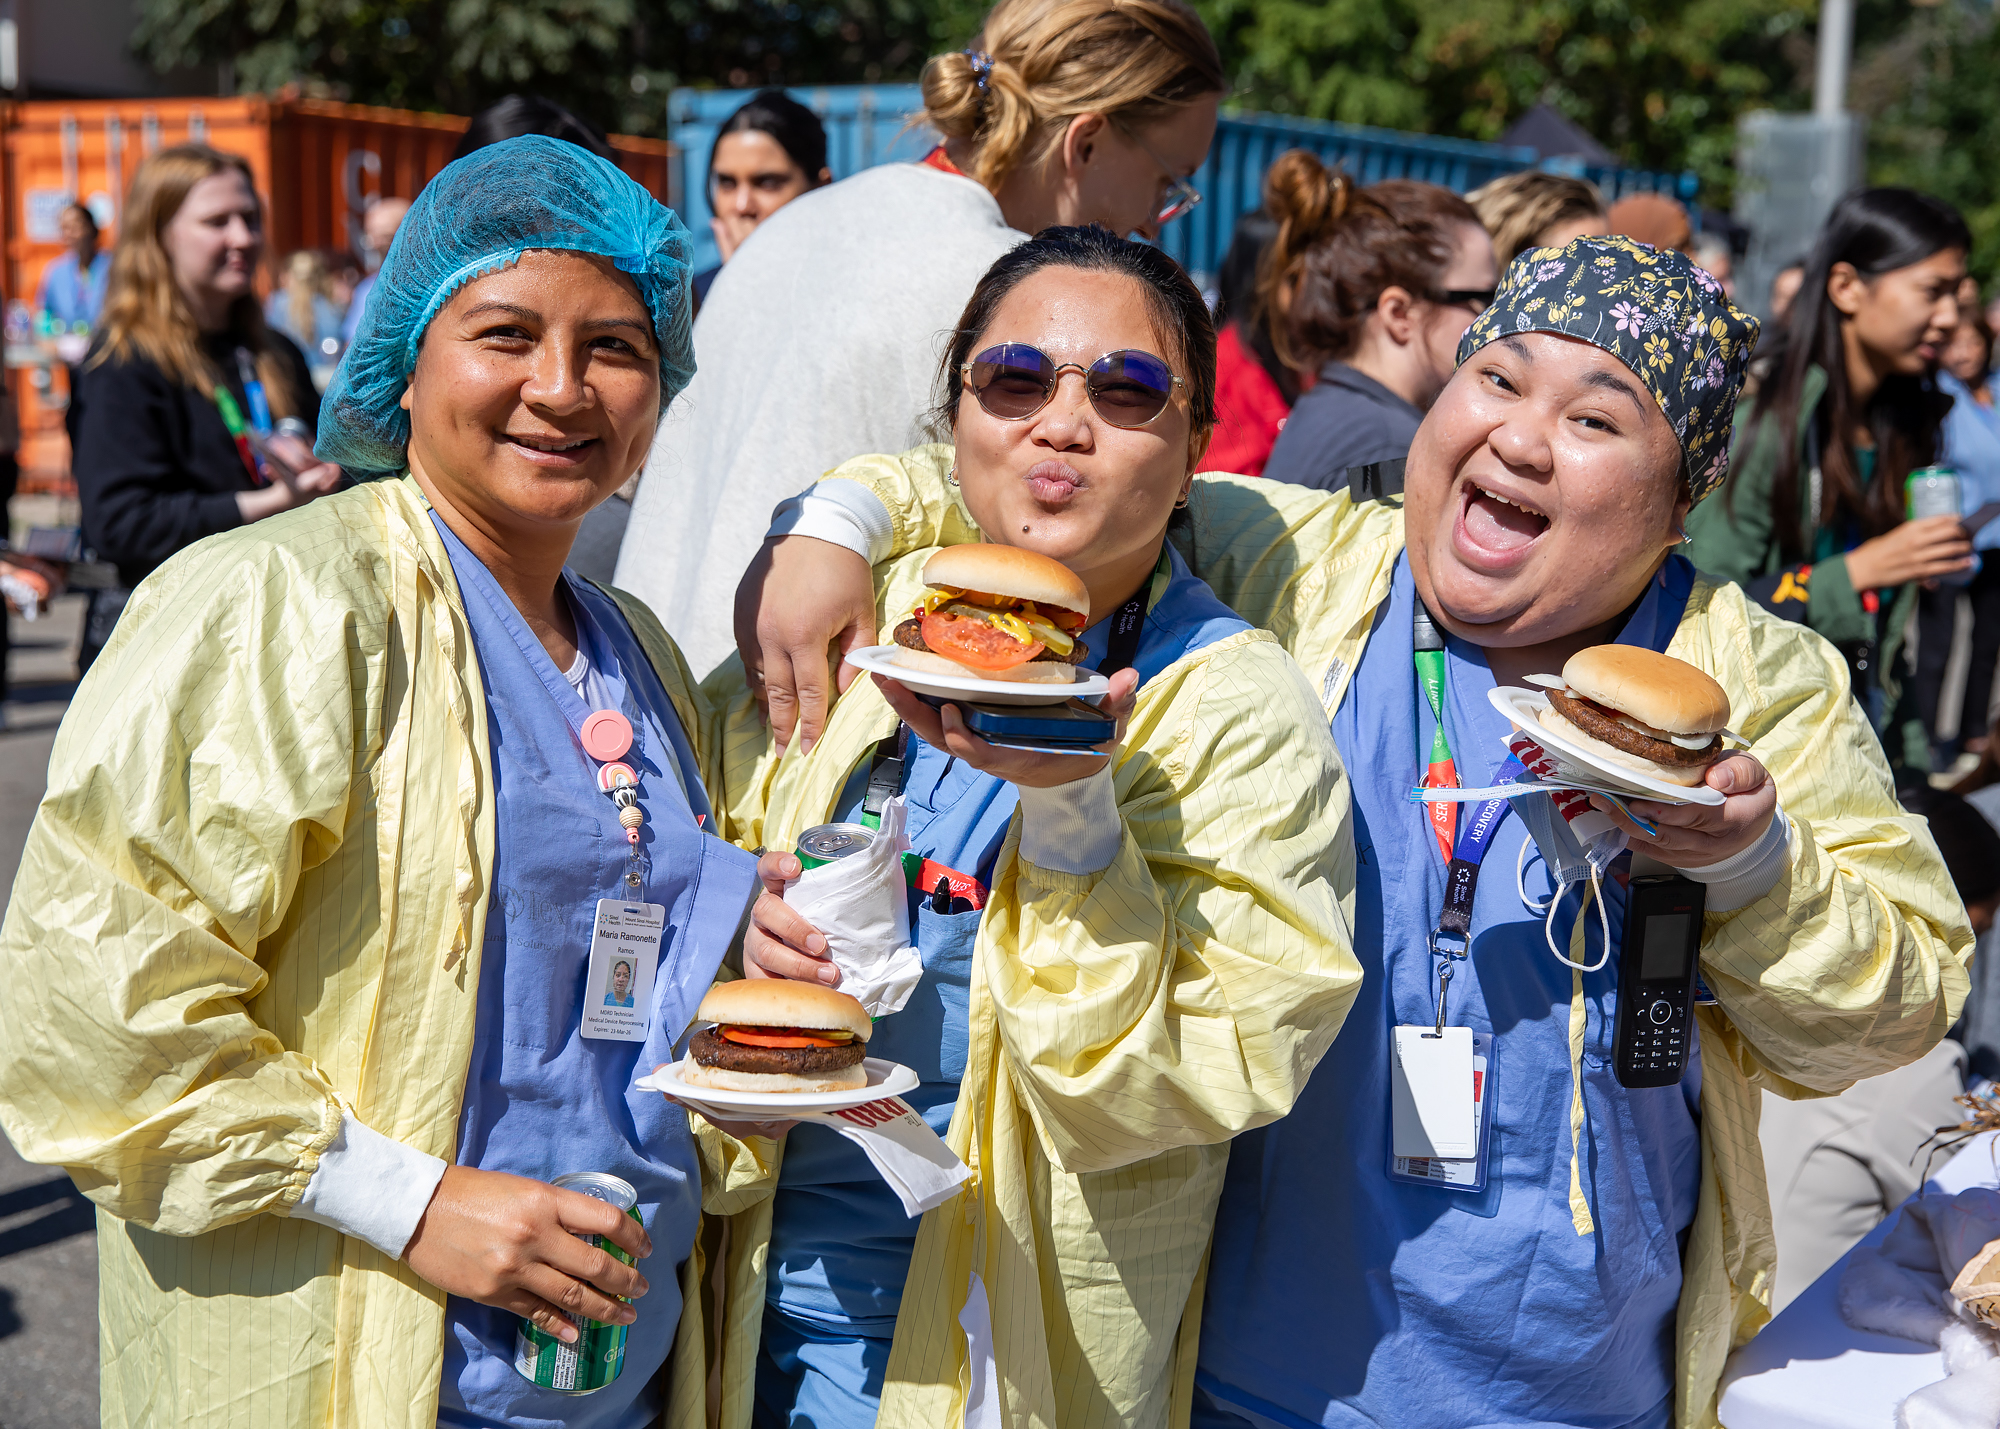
1450, 1173
624, 953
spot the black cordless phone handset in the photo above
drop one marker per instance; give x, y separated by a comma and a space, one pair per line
1656, 969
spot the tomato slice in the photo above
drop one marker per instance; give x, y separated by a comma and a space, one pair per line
762, 1037
971, 641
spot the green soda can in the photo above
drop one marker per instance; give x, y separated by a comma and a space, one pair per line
824, 843
599, 1352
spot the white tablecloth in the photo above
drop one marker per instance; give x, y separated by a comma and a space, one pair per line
1808, 1369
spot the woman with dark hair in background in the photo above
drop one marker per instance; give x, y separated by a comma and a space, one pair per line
1972, 449
766, 154
1254, 390
186, 381
1811, 522
1373, 287
518, 114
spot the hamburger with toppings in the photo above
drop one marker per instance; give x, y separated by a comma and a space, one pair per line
997, 613
776, 1036
1637, 709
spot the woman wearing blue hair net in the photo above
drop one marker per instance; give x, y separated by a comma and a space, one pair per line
341, 833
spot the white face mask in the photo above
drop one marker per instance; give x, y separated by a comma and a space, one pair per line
1577, 844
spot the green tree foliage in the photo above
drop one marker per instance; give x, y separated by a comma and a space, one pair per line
1935, 121
1659, 82
613, 60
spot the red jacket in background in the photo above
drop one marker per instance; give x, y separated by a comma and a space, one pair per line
1249, 409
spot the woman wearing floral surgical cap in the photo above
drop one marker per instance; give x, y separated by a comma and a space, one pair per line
305, 995
1605, 1247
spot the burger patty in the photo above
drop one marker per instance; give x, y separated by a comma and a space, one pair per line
710, 1048
910, 635
1598, 725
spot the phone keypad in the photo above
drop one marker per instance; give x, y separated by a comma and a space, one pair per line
1656, 1040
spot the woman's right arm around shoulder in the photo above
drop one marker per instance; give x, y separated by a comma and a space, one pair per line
809, 590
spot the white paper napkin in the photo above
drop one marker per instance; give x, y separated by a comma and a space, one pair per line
861, 905
919, 1167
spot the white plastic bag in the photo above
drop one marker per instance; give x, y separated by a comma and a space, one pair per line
861, 906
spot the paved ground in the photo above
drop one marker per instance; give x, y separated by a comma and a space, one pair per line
48, 1256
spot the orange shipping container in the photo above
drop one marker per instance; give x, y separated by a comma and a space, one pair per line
318, 166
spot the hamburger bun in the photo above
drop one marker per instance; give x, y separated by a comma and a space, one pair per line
779, 1002
846, 1079
1035, 672
1655, 689
1685, 776
1009, 570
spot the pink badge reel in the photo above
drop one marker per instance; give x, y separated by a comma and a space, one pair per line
606, 736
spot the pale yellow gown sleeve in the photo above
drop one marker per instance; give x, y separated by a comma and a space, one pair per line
1183, 994
207, 760
1854, 963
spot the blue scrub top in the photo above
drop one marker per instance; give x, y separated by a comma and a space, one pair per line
68, 295
541, 1100
1972, 449
1339, 1297
840, 1243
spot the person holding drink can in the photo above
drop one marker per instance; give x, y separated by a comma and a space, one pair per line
1814, 520
1131, 954
346, 837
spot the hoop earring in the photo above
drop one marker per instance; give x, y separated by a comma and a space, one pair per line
1181, 505
951, 477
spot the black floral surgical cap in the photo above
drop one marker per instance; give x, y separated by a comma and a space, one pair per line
1655, 311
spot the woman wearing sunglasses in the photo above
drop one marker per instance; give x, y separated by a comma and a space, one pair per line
1060, 111
1137, 956
1372, 289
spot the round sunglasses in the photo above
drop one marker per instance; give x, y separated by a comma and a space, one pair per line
1015, 380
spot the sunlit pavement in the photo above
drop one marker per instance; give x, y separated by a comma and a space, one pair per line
48, 1255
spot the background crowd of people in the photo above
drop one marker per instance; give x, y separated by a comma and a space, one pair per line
758, 459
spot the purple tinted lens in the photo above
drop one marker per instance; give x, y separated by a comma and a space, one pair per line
1130, 389
1012, 380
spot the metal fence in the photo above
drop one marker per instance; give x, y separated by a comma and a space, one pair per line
879, 124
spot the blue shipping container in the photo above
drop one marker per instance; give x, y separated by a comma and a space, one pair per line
879, 124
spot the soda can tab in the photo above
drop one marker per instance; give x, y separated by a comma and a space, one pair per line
827, 843
598, 1354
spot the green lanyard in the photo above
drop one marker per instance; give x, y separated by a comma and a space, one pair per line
1428, 642
239, 432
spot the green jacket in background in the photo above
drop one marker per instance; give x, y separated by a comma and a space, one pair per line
1733, 537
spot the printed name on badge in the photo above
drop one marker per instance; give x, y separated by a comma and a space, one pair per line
624, 955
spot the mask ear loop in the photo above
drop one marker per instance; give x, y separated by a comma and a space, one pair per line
1604, 916
1533, 905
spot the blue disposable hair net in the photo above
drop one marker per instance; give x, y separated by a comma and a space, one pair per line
477, 216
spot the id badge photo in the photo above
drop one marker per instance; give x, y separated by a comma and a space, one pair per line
1416, 1100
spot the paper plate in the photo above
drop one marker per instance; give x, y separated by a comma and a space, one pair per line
1524, 707
885, 1079
876, 660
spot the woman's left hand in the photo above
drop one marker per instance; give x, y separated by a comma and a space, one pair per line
945, 729
1696, 835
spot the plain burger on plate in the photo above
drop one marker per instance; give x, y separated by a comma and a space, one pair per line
772, 1035
1638, 709
997, 613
